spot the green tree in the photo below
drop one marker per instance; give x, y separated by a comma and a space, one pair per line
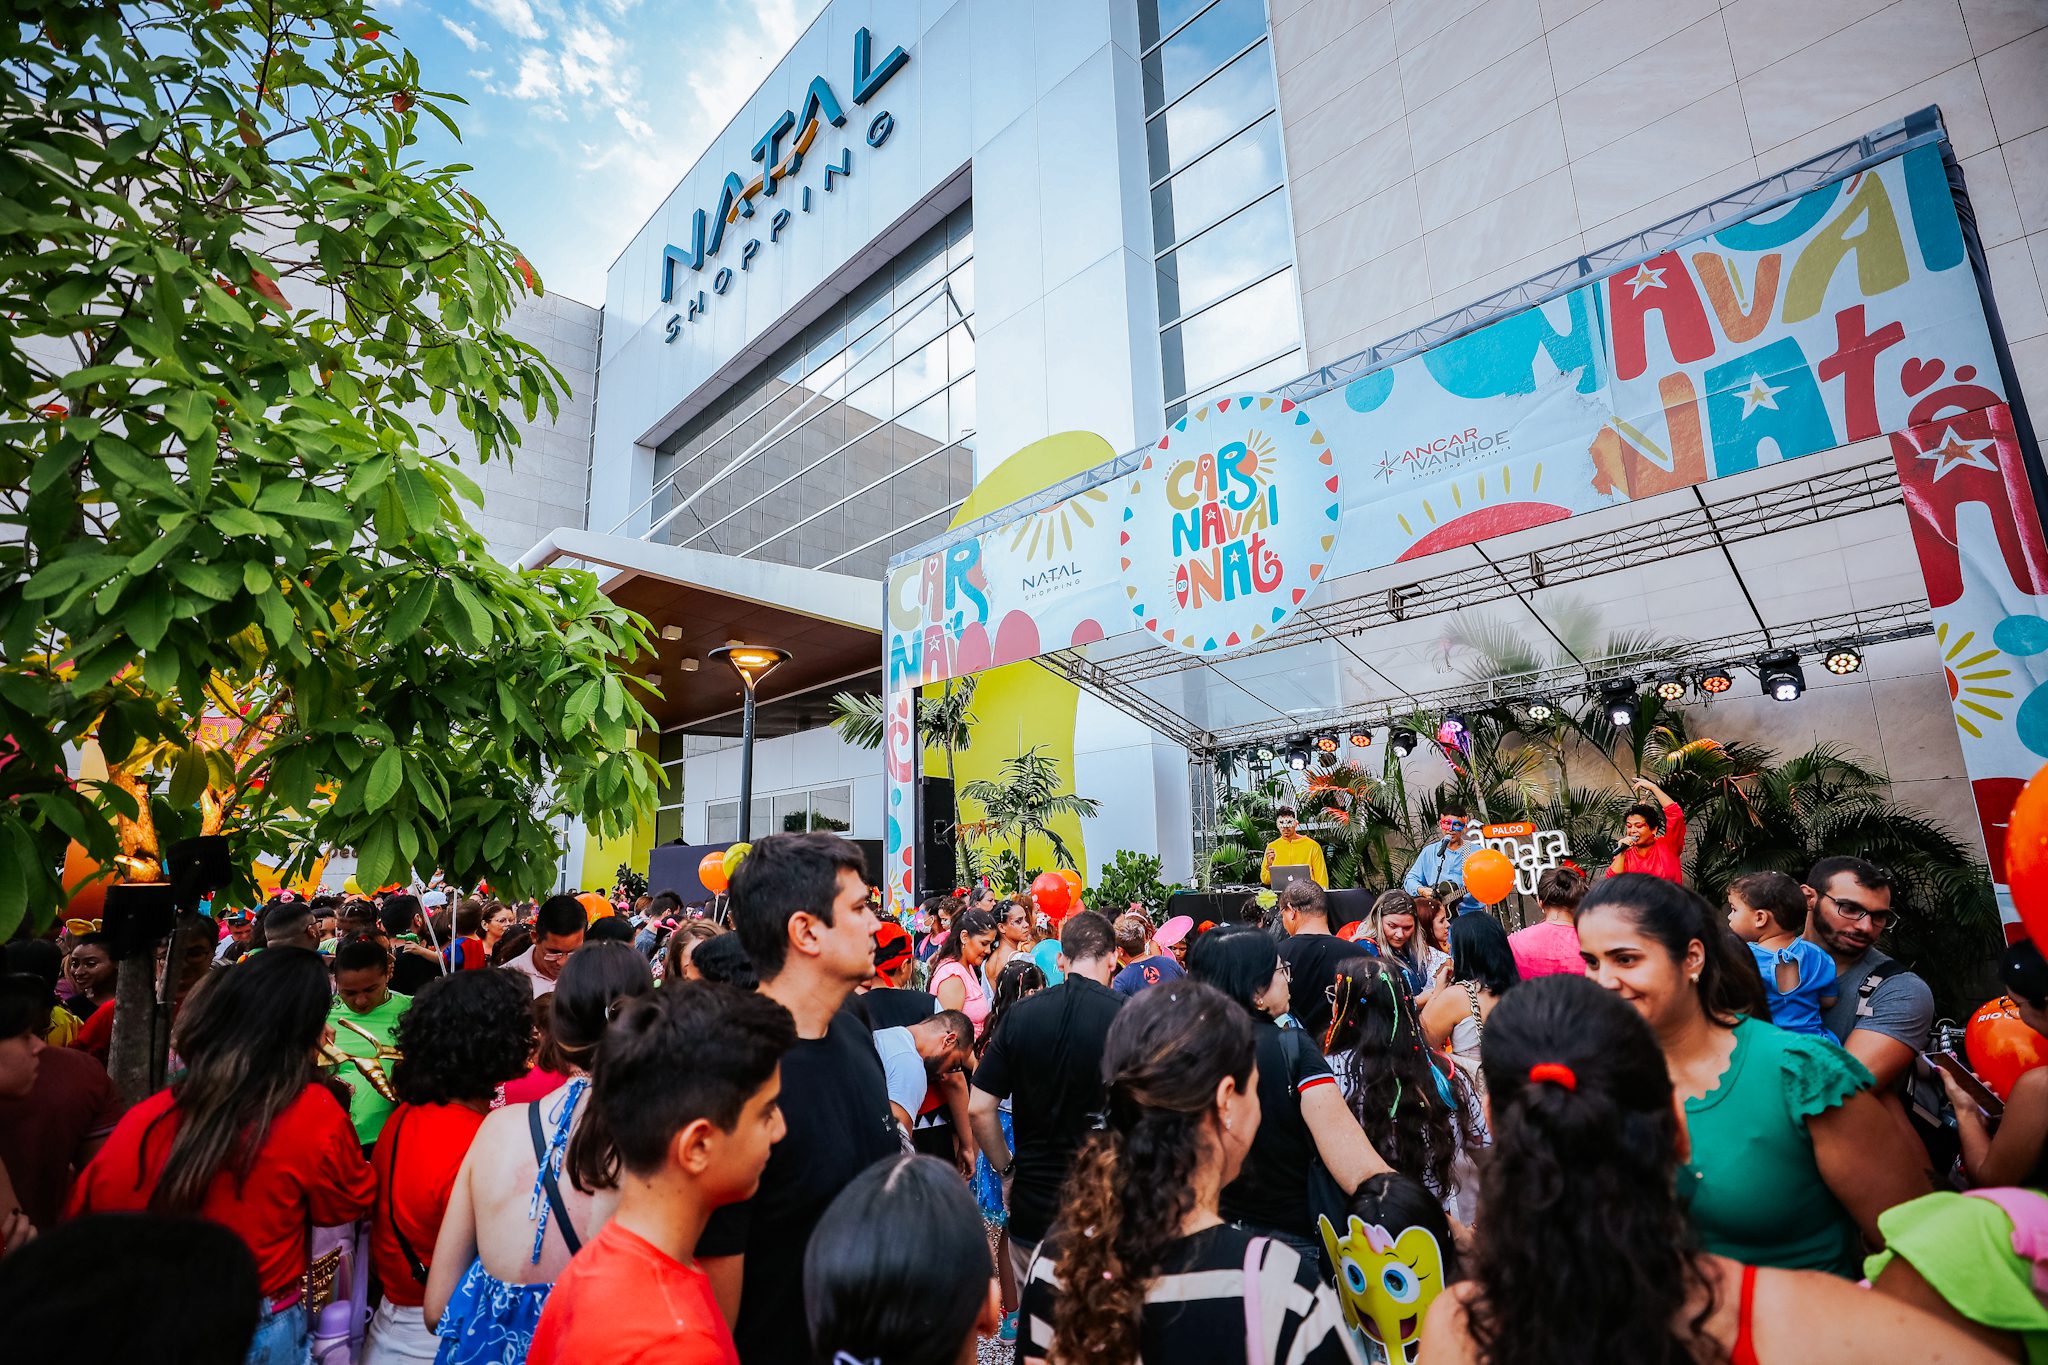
946, 722
246, 341
1024, 801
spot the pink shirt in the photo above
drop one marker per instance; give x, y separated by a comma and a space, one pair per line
977, 1002
1547, 949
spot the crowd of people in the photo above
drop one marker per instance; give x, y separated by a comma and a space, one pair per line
431, 1126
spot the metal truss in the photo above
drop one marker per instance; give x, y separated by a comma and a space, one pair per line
1838, 163
1905, 620
1686, 530
1114, 688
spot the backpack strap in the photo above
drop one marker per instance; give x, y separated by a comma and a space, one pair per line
549, 1182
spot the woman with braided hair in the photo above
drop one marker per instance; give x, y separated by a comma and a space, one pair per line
1417, 1110
1140, 1266
1587, 1253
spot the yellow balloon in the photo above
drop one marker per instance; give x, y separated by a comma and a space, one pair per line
352, 887
734, 856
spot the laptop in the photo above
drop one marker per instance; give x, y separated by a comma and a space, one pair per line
1286, 875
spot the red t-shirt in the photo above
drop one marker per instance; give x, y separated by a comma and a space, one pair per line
97, 1033
534, 1086
1660, 859
310, 1171
428, 1142
45, 1133
624, 1301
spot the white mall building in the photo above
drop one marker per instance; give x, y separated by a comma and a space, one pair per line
940, 233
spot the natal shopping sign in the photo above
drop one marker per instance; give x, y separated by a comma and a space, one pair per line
1846, 314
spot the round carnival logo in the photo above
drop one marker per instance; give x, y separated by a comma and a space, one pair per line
1228, 523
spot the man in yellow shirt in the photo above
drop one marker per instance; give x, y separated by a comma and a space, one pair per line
1293, 850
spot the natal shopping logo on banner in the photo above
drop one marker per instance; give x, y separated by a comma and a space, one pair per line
1229, 523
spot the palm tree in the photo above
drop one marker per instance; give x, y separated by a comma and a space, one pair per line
946, 722
1025, 801
1244, 824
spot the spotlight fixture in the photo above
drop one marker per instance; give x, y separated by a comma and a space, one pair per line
1781, 676
1401, 741
1618, 699
1264, 753
1361, 739
1670, 687
1325, 758
1842, 660
1297, 755
1539, 708
1326, 744
1717, 680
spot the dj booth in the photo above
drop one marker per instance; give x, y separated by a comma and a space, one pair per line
1238, 904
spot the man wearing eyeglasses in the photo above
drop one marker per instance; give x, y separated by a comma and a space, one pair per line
1882, 1013
557, 932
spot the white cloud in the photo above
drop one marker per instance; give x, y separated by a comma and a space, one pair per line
463, 32
514, 16
536, 77
633, 123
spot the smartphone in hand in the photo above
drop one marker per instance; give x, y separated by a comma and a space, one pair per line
1959, 1071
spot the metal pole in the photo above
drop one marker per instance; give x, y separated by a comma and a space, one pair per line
747, 765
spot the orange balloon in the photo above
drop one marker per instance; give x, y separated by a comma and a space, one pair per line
711, 871
1073, 881
1489, 876
2001, 1047
596, 907
2026, 856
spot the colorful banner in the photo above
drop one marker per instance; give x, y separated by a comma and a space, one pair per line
1848, 313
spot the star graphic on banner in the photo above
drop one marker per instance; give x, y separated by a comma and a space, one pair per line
1956, 453
1760, 395
1644, 278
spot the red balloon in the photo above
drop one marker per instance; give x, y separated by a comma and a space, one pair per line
2001, 1047
1050, 891
711, 871
2026, 856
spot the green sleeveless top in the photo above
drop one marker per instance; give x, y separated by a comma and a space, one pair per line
1752, 1189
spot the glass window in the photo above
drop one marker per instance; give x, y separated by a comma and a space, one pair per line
1164, 16
1249, 246
832, 809
1228, 101
722, 822
672, 747
671, 784
792, 814
1243, 330
1219, 183
1225, 29
668, 825
1258, 379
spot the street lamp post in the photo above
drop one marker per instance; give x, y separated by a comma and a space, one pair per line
752, 663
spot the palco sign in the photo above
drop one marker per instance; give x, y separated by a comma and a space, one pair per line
1533, 851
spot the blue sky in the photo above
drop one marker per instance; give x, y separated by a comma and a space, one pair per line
582, 114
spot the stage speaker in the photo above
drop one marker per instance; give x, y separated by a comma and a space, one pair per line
937, 815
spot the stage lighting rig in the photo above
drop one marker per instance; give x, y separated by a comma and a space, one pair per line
1842, 660
1402, 741
1618, 699
1781, 676
1717, 679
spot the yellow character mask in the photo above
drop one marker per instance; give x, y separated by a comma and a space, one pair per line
1387, 1283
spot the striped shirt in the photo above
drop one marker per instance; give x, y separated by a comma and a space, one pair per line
1195, 1310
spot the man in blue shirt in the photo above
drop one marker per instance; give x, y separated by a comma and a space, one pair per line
1444, 859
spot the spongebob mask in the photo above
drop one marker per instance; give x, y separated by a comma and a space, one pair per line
1387, 1283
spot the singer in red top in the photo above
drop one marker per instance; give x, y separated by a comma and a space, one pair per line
1652, 839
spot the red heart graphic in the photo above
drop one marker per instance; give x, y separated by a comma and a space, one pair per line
1331, 483
1920, 375
1299, 593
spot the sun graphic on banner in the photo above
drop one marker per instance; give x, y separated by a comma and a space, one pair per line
1053, 529
1964, 667
1256, 463
1487, 505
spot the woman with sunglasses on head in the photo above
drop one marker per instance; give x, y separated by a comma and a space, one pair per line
1306, 1119
1417, 1110
1587, 1253
514, 1216
1793, 1156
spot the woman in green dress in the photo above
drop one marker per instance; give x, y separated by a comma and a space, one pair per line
1793, 1156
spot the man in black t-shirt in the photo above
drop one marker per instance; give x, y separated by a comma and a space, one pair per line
800, 906
1046, 1059
1312, 954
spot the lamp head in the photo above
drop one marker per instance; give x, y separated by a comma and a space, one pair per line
751, 662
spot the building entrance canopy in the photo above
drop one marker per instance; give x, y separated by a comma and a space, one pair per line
1728, 431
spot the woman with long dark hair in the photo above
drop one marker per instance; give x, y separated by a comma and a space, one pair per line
1416, 1112
871, 1292
1482, 970
1793, 1156
1588, 1254
956, 971
1140, 1265
1306, 1120
247, 1135
513, 1218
